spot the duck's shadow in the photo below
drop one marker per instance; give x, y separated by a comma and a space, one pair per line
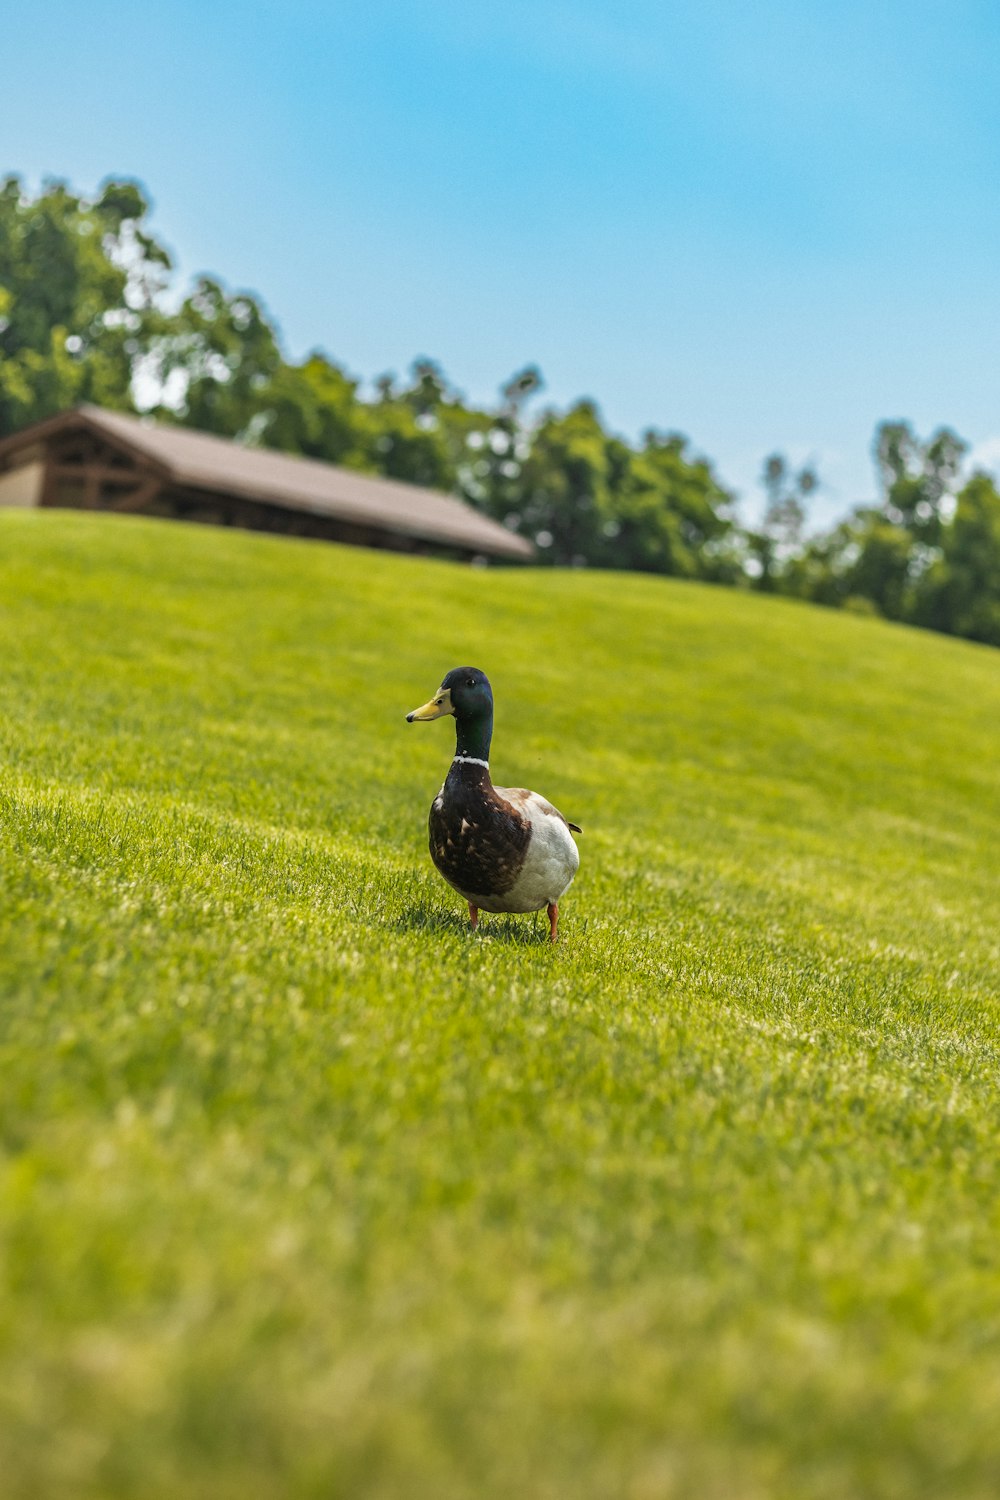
527, 931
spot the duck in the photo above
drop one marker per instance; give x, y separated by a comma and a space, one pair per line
503, 849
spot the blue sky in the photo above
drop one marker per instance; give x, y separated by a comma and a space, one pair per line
768, 225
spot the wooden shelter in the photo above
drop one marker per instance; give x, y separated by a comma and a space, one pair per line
93, 459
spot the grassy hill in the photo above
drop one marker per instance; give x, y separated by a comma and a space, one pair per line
306, 1191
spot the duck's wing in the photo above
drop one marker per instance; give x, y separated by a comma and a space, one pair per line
527, 802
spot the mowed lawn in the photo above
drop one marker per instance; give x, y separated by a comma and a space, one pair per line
308, 1192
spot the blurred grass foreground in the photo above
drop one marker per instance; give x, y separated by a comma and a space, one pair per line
306, 1191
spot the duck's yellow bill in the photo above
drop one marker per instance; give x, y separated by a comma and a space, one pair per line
436, 708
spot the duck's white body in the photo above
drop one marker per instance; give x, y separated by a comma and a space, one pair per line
550, 862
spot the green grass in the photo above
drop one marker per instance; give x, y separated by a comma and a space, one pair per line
307, 1192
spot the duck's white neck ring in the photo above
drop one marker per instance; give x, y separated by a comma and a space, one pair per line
470, 760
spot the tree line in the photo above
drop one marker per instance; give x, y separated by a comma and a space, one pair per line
86, 315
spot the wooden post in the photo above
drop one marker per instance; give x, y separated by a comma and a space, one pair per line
47, 494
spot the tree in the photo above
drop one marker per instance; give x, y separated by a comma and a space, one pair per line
882, 566
586, 496
79, 283
960, 593
492, 446
416, 431
916, 477
670, 514
564, 486
886, 555
866, 557
898, 546
219, 352
774, 546
310, 408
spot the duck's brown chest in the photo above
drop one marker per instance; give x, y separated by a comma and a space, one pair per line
477, 840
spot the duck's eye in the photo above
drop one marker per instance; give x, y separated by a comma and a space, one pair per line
438, 702
470, 682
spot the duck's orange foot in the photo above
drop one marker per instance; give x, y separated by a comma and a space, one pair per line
553, 911
473, 916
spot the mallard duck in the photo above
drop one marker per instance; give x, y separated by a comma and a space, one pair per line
502, 848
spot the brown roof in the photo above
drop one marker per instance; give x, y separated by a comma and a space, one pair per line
221, 466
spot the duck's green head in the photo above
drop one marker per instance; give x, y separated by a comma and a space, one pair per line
465, 692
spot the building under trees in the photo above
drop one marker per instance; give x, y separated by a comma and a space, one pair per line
91, 459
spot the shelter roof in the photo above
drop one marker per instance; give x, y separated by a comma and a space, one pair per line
219, 465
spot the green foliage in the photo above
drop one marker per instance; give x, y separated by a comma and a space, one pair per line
928, 556
224, 351
961, 591
416, 432
567, 484
78, 286
916, 477
589, 497
882, 569
868, 557
673, 515
311, 409
774, 549
304, 1191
